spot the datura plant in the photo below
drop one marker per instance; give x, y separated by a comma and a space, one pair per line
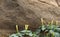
49, 30
22, 33
17, 34
26, 31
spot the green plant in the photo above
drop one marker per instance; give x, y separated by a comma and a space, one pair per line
49, 30
18, 34
22, 33
42, 31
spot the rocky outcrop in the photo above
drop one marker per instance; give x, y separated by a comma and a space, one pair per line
30, 12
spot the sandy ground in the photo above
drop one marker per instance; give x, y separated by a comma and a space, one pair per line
6, 33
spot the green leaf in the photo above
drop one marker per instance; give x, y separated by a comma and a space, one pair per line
13, 35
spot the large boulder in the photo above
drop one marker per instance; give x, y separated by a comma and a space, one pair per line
29, 12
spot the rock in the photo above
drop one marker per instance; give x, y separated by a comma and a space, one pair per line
29, 12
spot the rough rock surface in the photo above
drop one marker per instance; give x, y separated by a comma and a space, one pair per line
23, 12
